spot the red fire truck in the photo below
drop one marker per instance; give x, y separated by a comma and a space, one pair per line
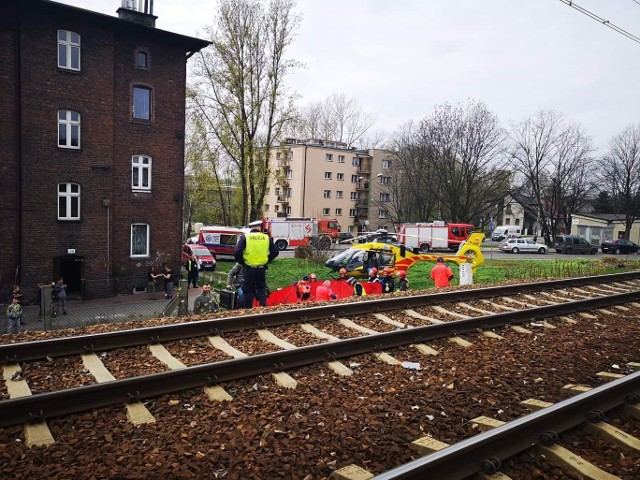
434, 235
295, 232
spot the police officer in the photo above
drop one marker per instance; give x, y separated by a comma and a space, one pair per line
254, 250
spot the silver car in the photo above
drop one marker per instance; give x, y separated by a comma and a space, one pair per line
515, 245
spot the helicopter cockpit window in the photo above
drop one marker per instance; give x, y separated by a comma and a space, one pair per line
356, 260
387, 260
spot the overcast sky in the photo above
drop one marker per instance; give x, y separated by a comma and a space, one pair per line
401, 58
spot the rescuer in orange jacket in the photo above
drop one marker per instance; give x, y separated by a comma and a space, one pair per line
441, 274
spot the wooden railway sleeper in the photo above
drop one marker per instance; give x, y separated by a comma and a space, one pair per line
491, 465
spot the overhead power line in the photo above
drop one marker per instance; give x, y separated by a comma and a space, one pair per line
636, 1
606, 23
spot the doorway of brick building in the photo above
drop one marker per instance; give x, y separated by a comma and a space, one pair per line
71, 268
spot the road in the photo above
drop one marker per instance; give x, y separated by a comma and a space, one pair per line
490, 251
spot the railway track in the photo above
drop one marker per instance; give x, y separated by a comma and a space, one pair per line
514, 303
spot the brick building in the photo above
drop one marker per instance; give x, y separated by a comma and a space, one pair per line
92, 160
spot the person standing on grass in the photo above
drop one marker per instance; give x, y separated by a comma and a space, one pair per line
387, 281
255, 250
403, 284
441, 274
234, 281
14, 316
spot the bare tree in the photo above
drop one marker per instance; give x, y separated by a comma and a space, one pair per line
337, 118
620, 172
240, 92
449, 166
553, 156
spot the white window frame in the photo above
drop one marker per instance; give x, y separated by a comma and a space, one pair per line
146, 246
340, 158
137, 165
385, 180
383, 213
146, 60
352, 213
289, 175
386, 164
340, 177
355, 161
69, 47
339, 194
385, 197
326, 212
354, 195
338, 212
287, 210
69, 125
327, 175
327, 194
354, 179
69, 196
328, 157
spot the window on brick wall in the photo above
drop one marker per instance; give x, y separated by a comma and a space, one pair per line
68, 50
141, 103
141, 173
68, 129
68, 201
139, 240
142, 60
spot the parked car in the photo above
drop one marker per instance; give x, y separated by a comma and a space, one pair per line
573, 244
203, 254
515, 245
344, 236
619, 246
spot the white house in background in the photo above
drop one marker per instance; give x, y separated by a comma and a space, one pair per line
600, 227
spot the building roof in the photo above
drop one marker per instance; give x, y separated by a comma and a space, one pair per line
605, 217
189, 44
529, 204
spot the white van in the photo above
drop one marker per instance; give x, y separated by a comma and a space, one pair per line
505, 231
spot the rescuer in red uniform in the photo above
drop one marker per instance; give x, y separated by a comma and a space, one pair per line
441, 274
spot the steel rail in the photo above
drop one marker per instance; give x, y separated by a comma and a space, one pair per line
57, 347
486, 451
53, 404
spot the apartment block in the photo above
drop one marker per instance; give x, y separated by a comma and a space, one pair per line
327, 179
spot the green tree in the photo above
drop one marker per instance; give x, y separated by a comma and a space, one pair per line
239, 90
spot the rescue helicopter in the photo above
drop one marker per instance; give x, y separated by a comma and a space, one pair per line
382, 250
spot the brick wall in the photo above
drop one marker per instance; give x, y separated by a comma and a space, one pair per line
102, 93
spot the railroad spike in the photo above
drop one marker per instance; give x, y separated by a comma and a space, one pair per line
632, 398
133, 397
88, 348
36, 418
155, 339
595, 416
491, 465
549, 438
213, 380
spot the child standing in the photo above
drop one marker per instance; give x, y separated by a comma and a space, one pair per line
14, 316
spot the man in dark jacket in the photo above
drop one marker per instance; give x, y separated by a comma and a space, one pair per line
193, 268
255, 250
